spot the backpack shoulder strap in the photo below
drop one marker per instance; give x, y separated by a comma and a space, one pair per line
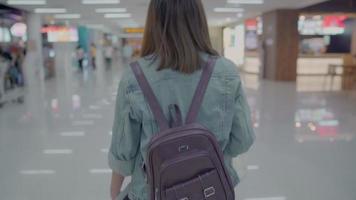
200, 91
149, 96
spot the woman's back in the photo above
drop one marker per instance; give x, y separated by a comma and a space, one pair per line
224, 112
176, 44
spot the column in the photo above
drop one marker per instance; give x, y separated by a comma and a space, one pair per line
350, 59
33, 63
34, 73
84, 38
353, 41
64, 75
280, 45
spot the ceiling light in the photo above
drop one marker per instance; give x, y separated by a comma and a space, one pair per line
67, 16
110, 10
118, 15
228, 10
50, 10
100, 1
26, 2
246, 1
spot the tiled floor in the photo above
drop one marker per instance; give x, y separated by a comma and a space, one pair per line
54, 145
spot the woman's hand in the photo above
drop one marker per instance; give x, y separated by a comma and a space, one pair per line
116, 184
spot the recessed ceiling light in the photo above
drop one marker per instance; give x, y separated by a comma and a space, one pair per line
246, 1
224, 10
26, 2
100, 1
67, 16
50, 10
118, 15
110, 10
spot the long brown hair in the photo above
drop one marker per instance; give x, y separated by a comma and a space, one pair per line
177, 32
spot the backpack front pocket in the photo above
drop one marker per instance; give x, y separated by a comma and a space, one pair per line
204, 186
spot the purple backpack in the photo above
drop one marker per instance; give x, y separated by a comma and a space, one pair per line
184, 162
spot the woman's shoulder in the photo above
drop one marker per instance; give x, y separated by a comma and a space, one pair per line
226, 67
223, 67
147, 62
146, 65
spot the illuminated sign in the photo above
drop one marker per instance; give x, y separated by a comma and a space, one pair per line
61, 33
322, 25
251, 24
134, 30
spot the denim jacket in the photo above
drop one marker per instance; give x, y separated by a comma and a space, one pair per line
224, 112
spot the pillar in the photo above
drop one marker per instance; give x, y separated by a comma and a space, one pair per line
348, 81
64, 75
84, 38
353, 41
33, 63
280, 45
34, 73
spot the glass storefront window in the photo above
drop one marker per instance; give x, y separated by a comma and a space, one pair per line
5, 35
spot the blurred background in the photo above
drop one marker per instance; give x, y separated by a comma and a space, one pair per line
61, 63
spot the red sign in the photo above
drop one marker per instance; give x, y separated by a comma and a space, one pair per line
54, 29
251, 24
334, 21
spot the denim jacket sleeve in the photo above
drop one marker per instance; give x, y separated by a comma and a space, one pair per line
125, 134
242, 134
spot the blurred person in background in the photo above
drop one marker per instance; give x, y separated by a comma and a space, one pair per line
5, 60
127, 51
175, 47
93, 55
108, 54
80, 57
15, 71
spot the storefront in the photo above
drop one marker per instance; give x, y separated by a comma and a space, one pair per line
253, 34
52, 35
13, 35
241, 44
324, 41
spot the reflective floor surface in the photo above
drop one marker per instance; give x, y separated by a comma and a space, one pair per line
54, 145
